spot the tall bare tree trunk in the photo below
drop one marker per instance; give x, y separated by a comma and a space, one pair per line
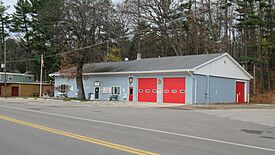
226, 28
79, 82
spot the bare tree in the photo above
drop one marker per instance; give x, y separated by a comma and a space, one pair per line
83, 24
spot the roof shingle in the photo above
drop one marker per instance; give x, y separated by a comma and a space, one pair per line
150, 64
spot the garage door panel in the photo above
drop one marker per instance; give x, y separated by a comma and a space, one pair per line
147, 89
174, 90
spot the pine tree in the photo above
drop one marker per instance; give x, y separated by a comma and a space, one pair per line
34, 21
256, 24
4, 25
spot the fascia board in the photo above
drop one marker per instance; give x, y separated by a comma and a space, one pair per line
140, 72
2, 73
208, 62
133, 72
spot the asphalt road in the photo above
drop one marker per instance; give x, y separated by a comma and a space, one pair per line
50, 129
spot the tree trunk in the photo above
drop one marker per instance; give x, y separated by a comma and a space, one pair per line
268, 76
79, 82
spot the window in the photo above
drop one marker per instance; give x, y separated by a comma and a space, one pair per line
181, 91
147, 90
131, 91
166, 91
174, 91
154, 91
140, 91
116, 90
28, 77
10, 77
62, 88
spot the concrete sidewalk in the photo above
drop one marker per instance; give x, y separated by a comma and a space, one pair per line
58, 102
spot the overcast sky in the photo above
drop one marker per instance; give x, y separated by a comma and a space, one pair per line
13, 2
10, 3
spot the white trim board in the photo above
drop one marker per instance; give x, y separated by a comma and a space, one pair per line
134, 72
2, 73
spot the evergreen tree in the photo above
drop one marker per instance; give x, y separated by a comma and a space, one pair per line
35, 23
256, 24
4, 25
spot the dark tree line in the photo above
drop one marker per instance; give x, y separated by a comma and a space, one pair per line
99, 30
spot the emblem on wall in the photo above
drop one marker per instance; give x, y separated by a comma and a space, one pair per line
159, 81
131, 79
97, 83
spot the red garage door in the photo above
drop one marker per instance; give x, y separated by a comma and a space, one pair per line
147, 90
174, 90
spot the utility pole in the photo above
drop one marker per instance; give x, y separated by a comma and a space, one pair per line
254, 79
41, 75
5, 67
139, 16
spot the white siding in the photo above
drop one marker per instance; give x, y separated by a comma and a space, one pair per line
223, 67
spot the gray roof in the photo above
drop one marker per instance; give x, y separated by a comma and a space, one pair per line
151, 64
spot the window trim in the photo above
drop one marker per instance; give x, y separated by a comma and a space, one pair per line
8, 78
174, 91
116, 93
62, 89
131, 88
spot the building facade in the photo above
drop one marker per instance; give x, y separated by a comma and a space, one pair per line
22, 85
213, 78
16, 77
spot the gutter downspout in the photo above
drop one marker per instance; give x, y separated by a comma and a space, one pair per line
195, 95
208, 90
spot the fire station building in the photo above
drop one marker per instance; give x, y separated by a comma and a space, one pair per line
208, 78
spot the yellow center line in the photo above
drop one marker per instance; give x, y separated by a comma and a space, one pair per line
80, 137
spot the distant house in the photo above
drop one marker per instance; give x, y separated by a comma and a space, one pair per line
208, 78
22, 85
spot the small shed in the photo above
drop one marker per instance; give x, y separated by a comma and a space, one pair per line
192, 79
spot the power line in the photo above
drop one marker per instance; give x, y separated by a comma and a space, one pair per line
126, 35
53, 55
